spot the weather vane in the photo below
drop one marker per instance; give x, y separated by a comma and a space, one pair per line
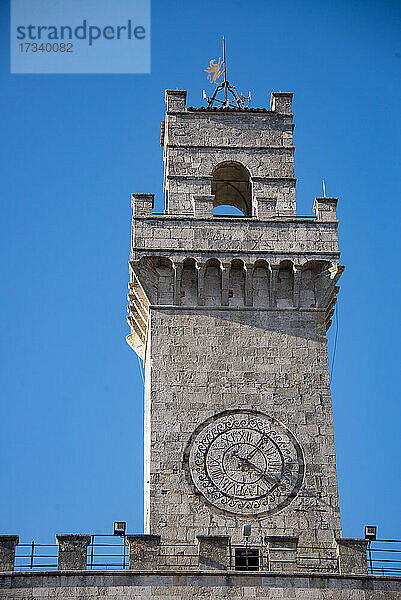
232, 98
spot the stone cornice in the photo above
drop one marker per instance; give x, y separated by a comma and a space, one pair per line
229, 147
168, 577
250, 253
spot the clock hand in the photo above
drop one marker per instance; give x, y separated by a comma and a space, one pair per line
270, 478
245, 462
258, 445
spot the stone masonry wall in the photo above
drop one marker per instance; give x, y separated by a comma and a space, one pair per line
196, 142
205, 586
301, 239
203, 361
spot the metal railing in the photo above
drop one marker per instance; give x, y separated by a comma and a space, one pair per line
108, 552
104, 552
107, 555
384, 557
111, 552
35, 556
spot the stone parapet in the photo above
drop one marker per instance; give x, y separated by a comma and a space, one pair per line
352, 556
142, 204
7, 551
281, 102
72, 551
325, 209
143, 551
218, 235
207, 585
203, 206
175, 100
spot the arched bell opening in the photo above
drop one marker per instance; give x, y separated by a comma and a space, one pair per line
236, 293
212, 283
285, 285
261, 283
231, 187
189, 283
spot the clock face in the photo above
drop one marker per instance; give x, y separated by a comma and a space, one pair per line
245, 462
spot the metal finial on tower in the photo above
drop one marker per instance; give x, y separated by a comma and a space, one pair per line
232, 98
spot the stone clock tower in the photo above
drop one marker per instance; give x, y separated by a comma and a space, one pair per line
229, 315
231, 294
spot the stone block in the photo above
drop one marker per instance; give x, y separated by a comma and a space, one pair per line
7, 551
175, 100
142, 204
203, 206
325, 209
352, 558
143, 551
72, 551
280, 102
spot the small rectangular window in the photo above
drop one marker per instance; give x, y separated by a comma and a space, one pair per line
246, 559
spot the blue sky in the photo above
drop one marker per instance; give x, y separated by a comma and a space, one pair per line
73, 149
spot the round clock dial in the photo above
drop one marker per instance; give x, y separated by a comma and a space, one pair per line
245, 462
